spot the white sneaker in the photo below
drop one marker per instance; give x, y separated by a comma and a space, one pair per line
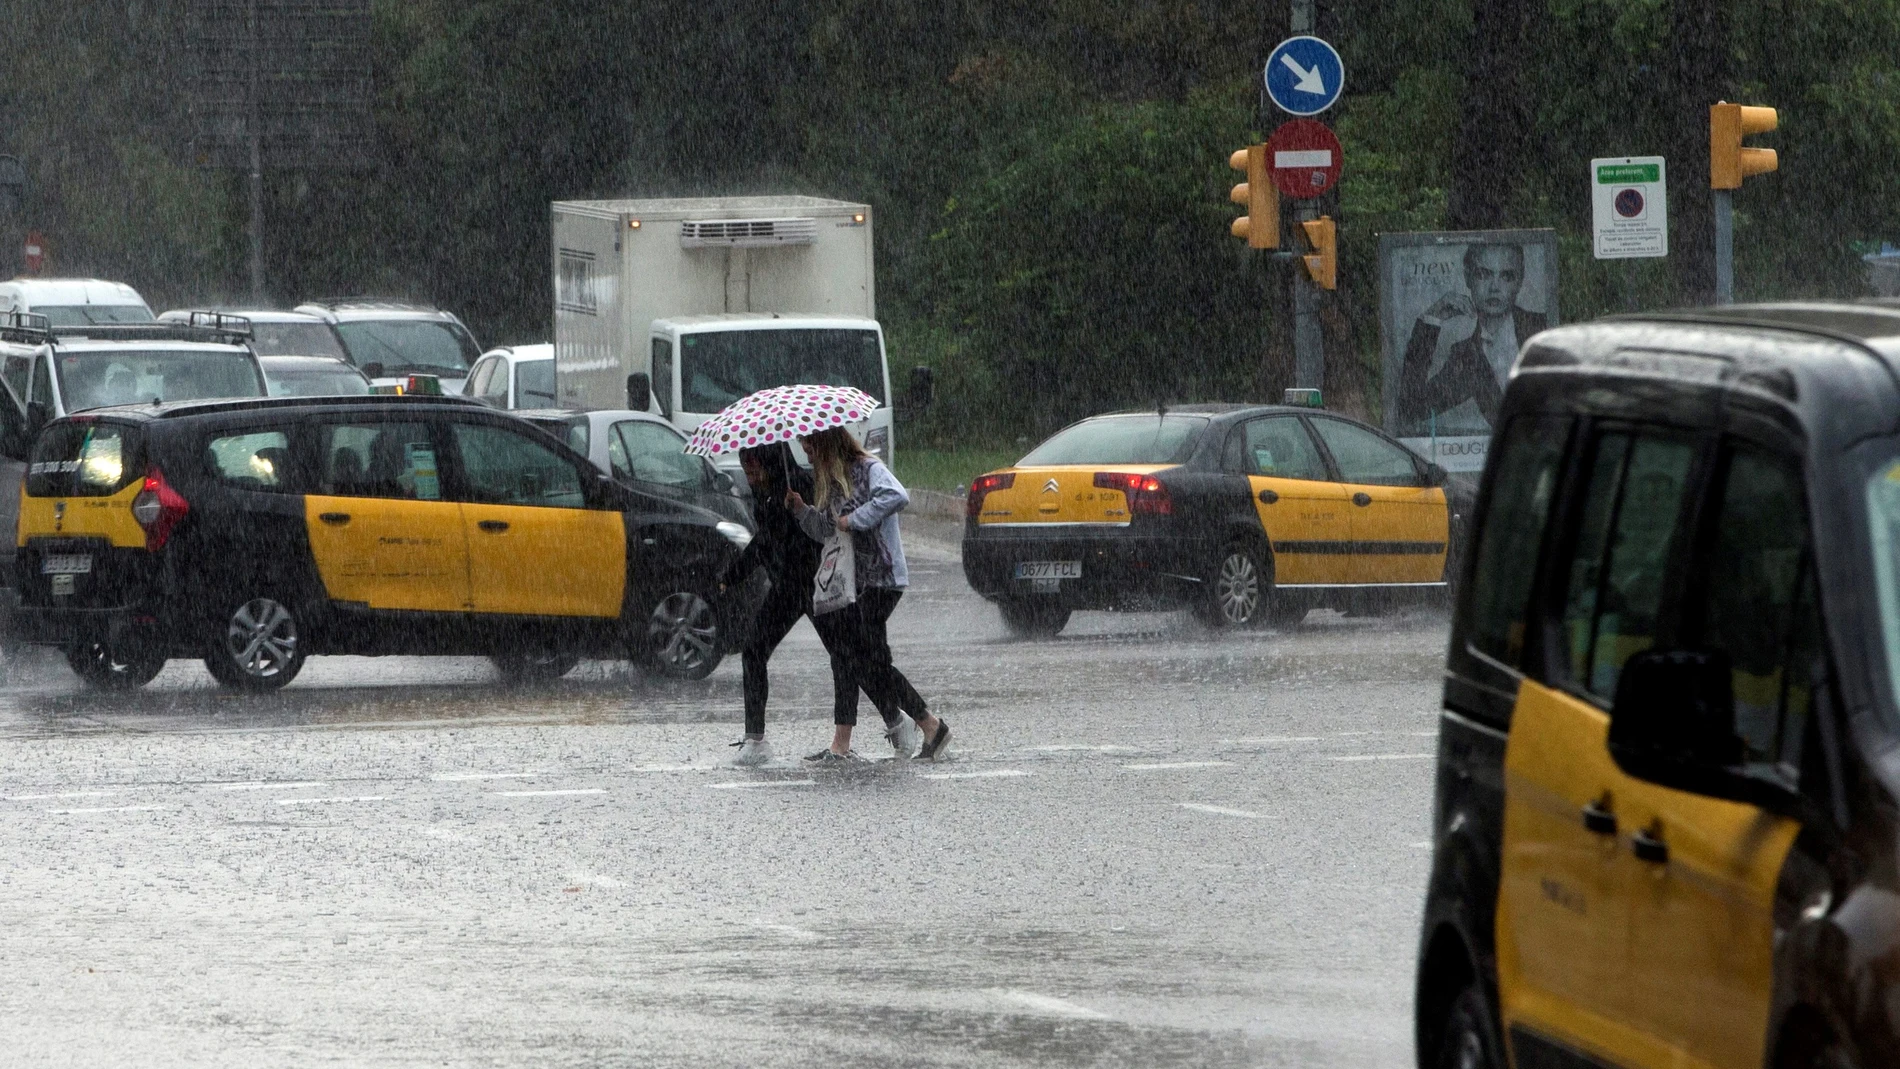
906, 738
752, 753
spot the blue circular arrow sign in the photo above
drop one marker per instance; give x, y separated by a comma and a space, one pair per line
1304, 76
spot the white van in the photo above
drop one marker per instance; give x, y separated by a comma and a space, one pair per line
75, 302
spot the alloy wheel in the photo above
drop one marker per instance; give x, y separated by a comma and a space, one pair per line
1237, 588
262, 638
683, 634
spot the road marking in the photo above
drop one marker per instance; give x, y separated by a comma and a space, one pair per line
317, 801
1223, 811
271, 786
61, 794
1050, 1004
1166, 766
994, 773
110, 809
546, 794
1074, 747
788, 929
749, 785
1423, 845
1383, 757
464, 777
1269, 740
672, 768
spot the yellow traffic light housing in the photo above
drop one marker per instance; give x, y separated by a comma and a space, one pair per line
1729, 162
1323, 265
1261, 225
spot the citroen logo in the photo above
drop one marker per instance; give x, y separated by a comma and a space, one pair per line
59, 515
1051, 487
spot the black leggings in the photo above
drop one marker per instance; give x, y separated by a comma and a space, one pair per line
777, 617
861, 659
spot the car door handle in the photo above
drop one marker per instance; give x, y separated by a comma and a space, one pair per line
1362, 500
1268, 497
1598, 819
334, 519
493, 526
1648, 845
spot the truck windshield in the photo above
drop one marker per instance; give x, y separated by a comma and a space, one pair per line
99, 378
89, 315
719, 367
410, 346
295, 339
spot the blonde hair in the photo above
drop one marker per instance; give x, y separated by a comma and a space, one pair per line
833, 452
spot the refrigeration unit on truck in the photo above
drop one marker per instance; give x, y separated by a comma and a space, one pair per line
683, 306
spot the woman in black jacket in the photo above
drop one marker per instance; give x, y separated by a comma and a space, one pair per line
790, 561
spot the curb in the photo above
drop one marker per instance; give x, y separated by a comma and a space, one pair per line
936, 504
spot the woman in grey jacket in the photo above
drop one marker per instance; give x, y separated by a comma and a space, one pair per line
855, 493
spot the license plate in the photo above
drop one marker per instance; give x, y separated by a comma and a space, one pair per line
63, 584
1045, 586
1049, 569
66, 564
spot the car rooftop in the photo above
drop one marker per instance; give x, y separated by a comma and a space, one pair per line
1873, 325
255, 315
176, 409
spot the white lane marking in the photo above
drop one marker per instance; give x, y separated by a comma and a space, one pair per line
1423, 734
749, 785
546, 794
1269, 740
1168, 766
111, 809
61, 794
1223, 811
464, 777
1383, 757
994, 773
1074, 747
1423, 845
1050, 1004
1349, 734
788, 929
318, 801
283, 786
672, 768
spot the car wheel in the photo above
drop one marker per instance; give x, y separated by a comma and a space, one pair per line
120, 666
1236, 591
533, 666
1467, 1040
1033, 619
257, 644
681, 637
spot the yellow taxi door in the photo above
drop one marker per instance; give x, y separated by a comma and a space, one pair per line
380, 529
1400, 526
1702, 928
1305, 514
534, 547
1569, 880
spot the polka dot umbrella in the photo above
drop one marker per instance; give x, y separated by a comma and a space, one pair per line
779, 414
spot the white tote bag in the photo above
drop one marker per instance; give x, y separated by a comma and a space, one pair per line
836, 585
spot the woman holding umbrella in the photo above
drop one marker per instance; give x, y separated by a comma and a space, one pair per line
855, 494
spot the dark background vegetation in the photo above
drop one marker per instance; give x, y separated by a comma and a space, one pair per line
1049, 177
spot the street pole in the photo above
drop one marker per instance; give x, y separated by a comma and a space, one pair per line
1724, 201
1309, 352
253, 124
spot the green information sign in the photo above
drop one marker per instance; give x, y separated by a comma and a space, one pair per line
1616, 174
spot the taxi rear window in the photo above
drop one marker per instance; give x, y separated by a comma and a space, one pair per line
1132, 439
252, 460
84, 459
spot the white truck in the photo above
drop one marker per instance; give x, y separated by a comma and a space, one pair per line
683, 306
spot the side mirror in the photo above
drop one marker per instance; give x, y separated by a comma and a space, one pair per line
923, 386
1673, 723
722, 481
374, 369
640, 392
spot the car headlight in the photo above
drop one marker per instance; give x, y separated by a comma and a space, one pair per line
735, 533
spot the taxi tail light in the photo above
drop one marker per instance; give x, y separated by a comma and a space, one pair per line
973, 506
158, 508
1147, 495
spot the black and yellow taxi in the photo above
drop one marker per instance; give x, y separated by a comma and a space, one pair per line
1244, 513
253, 534
1667, 814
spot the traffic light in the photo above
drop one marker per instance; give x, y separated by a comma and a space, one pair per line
1322, 266
1261, 225
1729, 162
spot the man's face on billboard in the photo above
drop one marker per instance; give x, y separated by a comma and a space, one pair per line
1494, 275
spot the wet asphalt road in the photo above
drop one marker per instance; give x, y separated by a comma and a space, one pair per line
1154, 846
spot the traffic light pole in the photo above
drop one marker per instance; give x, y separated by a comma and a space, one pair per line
1724, 201
1309, 348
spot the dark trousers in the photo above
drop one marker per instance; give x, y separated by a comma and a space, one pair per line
860, 651
777, 617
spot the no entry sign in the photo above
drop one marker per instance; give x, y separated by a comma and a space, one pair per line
1303, 157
